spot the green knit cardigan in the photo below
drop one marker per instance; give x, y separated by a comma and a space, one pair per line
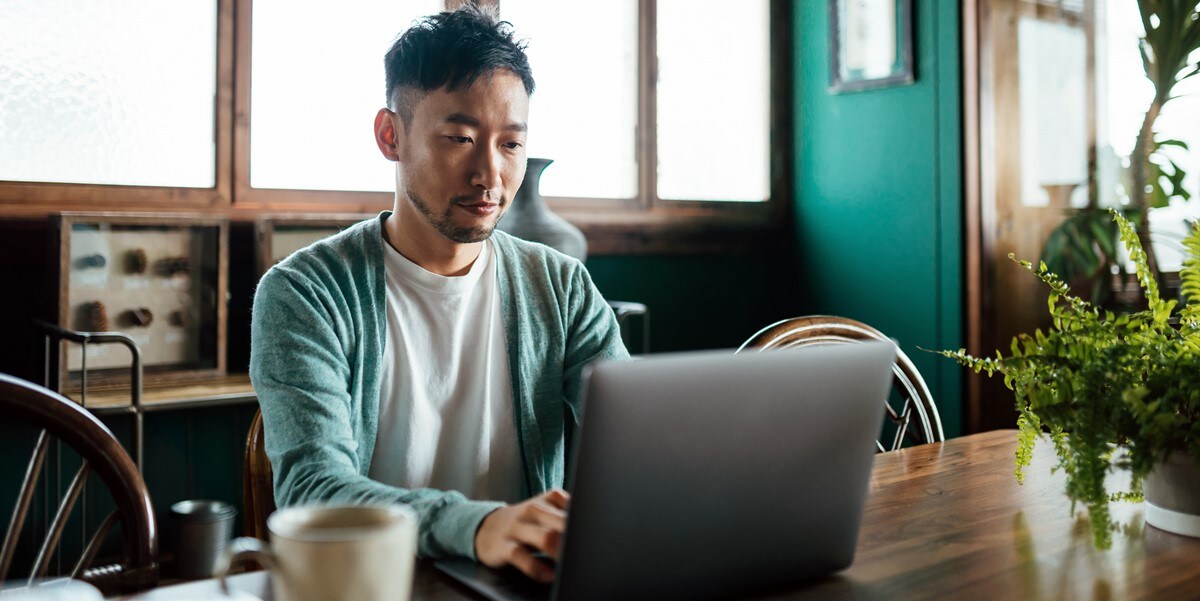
317, 339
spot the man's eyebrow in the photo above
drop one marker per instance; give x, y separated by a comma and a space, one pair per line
465, 119
462, 119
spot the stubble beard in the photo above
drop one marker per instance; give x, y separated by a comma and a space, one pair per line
444, 223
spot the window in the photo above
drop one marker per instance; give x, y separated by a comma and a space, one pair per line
655, 111
312, 102
93, 95
714, 100
583, 114
709, 97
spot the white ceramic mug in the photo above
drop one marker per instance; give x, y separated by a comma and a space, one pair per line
326, 552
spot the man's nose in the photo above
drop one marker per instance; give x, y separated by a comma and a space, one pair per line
488, 165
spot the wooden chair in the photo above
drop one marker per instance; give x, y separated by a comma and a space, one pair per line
99, 452
258, 489
914, 418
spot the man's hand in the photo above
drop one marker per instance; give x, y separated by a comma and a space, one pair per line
511, 535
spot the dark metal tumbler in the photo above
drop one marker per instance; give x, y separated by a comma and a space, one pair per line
202, 531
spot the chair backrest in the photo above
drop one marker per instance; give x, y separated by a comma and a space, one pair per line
258, 489
99, 452
914, 417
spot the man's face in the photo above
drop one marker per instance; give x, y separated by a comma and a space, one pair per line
462, 157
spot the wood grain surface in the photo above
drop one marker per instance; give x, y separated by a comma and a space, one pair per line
949, 521
216, 390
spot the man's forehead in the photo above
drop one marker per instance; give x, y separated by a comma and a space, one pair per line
480, 102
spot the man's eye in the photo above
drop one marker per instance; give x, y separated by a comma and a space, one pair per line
460, 139
513, 145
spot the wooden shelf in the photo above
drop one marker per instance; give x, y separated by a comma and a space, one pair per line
226, 390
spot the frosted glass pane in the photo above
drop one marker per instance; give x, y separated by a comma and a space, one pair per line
317, 81
108, 92
714, 100
584, 111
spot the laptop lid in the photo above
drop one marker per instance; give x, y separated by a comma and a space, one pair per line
699, 475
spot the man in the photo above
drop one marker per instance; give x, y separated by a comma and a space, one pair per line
422, 357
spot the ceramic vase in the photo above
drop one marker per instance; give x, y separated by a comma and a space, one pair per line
1173, 495
530, 219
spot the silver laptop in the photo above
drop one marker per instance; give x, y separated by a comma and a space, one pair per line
702, 475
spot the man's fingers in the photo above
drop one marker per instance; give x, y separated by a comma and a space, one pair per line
512, 534
558, 498
542, 539
523, 560
545, 515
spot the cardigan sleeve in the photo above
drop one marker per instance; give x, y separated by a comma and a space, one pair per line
593, 334
301, 368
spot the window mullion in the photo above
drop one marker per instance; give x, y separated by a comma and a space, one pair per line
647, 129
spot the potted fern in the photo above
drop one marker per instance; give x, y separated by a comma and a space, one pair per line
1114, 392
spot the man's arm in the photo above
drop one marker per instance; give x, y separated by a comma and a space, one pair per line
305, 377
593, 335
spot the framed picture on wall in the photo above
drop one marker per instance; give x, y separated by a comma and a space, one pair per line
870, 44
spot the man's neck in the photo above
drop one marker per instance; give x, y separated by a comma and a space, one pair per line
431, 251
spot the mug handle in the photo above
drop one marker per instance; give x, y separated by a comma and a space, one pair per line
242, 549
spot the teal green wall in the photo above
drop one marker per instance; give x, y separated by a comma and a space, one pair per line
878, 194
699, 302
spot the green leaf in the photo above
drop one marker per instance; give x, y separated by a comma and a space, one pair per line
1137, 255
1104, 237
1179, 143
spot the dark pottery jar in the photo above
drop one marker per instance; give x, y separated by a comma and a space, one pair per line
530, 219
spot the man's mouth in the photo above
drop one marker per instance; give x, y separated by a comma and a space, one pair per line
481, 208
478, 206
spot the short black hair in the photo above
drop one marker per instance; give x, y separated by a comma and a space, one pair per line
451, 50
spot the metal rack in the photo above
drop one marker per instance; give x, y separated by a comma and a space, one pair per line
53, 334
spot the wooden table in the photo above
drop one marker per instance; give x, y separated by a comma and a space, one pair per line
948, 521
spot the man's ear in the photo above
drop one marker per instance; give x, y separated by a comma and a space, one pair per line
389, 131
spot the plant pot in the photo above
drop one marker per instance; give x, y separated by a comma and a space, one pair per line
1173, 495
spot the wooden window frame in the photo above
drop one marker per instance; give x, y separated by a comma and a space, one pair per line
643, 225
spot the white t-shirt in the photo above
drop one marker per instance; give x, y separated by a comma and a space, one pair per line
446, 416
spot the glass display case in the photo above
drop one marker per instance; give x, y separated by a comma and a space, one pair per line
160, 279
